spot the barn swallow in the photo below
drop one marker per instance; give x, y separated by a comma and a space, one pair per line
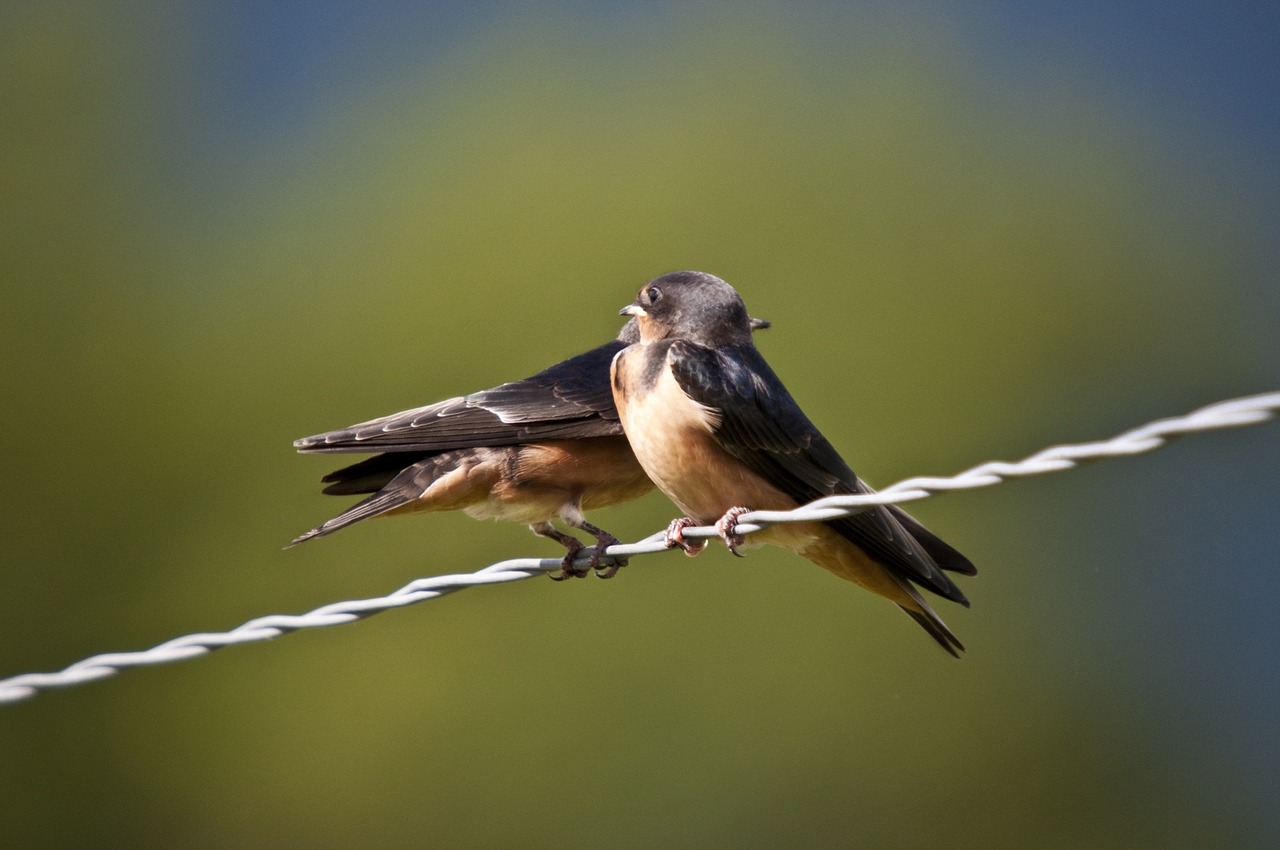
720, 435
546, 447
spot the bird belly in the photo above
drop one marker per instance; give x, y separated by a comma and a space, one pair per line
543, 481
593, 473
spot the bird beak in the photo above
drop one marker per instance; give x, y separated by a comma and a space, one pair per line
633, 310
760, 324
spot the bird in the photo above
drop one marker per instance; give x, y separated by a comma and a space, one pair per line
720, 435
534, 450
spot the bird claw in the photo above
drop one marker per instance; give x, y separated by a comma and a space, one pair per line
725, 527
567, 569
674, 537
609, 570
603, 541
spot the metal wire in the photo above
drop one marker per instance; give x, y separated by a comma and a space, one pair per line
1235, 413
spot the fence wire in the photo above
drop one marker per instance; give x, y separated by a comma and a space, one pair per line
1234, 413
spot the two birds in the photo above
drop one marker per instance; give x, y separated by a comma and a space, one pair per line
681, 400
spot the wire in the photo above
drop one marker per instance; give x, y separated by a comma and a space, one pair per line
1235, 413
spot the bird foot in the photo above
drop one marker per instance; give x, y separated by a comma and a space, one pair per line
674, 536
725, 527
603, 541
567, 569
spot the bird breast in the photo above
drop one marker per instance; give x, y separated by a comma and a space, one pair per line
673, 437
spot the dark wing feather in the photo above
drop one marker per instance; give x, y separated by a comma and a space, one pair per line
569, 400
943, 554
761, 425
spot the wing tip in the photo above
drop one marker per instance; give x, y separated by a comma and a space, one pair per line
303, 538
316, 442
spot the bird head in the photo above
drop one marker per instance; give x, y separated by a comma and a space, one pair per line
692, 305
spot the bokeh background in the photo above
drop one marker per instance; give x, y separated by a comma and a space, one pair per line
978, 230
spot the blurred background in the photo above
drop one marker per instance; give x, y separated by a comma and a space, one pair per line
977, 231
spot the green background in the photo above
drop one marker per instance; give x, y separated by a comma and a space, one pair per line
966, 257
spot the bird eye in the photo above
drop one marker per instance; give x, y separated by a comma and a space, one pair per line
654, 294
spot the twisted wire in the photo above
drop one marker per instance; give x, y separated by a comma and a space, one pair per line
1234, 413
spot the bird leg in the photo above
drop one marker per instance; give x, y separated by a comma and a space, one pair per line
603, 541
569, 542
725, 527
674, 536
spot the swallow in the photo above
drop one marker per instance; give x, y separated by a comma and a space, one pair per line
719, 434
535, 450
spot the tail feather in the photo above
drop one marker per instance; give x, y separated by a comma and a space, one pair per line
829, 549
379, 503
922, 612
433, 480
932, 623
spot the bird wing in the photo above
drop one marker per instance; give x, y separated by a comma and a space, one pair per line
571, 399
760, 424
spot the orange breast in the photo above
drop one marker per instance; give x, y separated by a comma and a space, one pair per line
673, 438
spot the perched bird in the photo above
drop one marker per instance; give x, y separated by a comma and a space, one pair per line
720, 435
546, 447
